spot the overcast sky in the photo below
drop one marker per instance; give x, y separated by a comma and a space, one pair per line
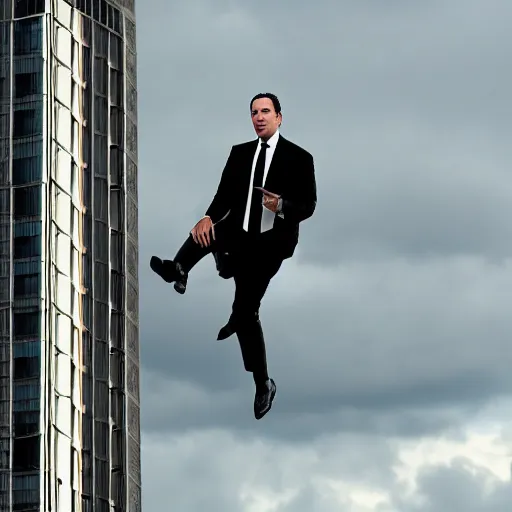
388, 333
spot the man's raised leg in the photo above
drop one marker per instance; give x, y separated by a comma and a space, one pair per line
176, 270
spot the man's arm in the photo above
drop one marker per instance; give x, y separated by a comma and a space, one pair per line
221, 201
303, 204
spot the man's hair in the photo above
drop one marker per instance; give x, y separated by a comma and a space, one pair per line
269, 95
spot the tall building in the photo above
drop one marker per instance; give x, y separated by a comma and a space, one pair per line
69, 352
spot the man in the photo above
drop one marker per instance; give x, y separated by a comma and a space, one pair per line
266, 189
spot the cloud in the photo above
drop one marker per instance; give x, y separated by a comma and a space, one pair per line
387, 331
339, 472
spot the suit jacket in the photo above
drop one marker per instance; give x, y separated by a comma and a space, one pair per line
291, 175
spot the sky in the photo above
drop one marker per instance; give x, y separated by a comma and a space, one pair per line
388, 332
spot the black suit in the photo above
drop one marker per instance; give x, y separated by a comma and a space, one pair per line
291, 175
256, 258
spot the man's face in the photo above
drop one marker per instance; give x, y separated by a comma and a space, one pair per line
264, 118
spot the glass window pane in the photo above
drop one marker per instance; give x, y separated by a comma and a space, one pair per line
27, 246
101, 75
27, 286
24, 8
26, 84
27, 201
28, 121
26, 453
28, 36
27, 170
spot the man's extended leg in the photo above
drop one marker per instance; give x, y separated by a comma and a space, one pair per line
252, 281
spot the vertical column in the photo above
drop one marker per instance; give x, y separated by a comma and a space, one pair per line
87, 268
132, 288
5, 263
101, 264
26, 181
117, 266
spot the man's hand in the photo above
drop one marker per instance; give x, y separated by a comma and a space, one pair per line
201, 232
270, 200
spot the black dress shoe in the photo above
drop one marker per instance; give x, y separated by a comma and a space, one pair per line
263, 401
171, 272
226, 331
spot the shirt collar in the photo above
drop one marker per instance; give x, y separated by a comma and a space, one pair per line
273, 140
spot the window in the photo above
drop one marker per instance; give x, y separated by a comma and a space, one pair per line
28, 122
27, 396
87, 477
101, 75
101, 360
96, 9
116, 51
101, 321
29, 285
27, 355
86, 265
101, 400
101, 481
86, 431
101, 439
5, 14
5, 202
27, 367
26, 324
26, 423
100, 155
101, 281
5, 321
28, 36
87, 67
103, 12
24, 8
100, 41
86, 24
116, 22
27, 201
116, 251
27, 170
116, 209
27, 84
87, 391
87, 344
116, 126
117, 330
26, 453
25, 492
116, 88
27, 246
100, 115
117, 370
116, 166
101, 238
101, 199
116, 291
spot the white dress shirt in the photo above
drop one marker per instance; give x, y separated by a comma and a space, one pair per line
267, 218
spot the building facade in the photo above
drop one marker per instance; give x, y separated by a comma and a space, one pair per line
69, 351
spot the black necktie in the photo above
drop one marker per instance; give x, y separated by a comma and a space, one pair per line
257, 196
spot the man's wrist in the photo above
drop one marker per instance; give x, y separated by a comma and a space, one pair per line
279, 205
